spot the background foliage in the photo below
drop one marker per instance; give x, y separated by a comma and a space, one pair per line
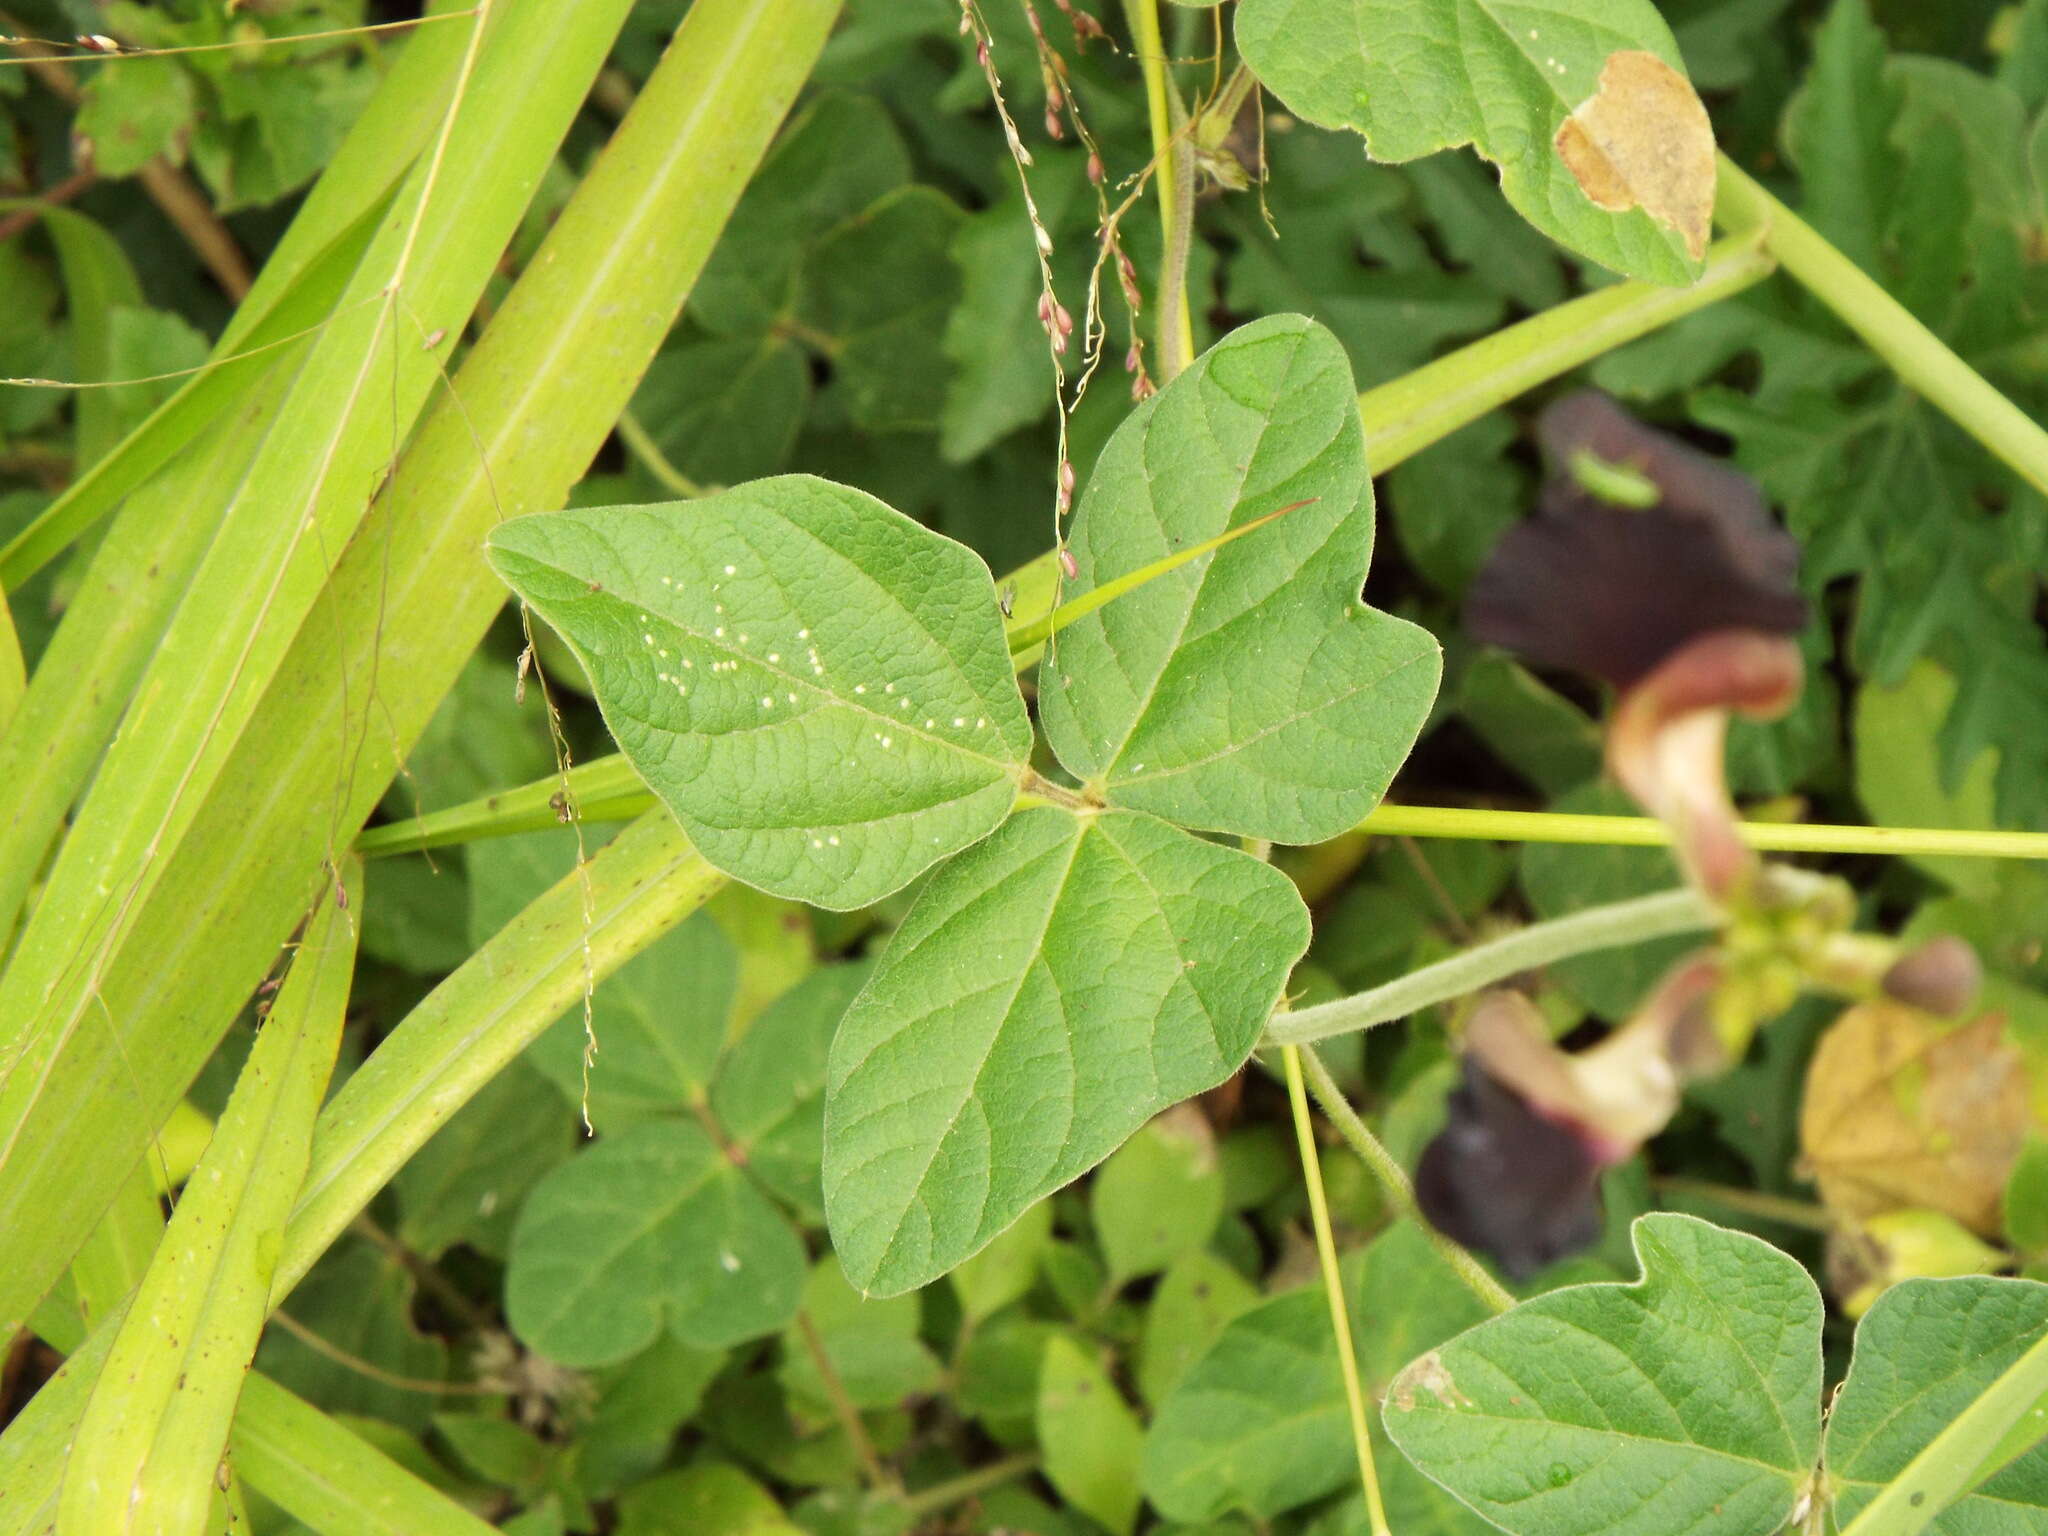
647, 1332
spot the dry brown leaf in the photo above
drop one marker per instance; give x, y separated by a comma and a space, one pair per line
1642, 140
1900, 1111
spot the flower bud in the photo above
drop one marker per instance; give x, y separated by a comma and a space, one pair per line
1941, 976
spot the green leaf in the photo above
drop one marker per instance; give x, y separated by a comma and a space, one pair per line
834, 160
1536, 730
1518, 82
770, 1091
1006, 1269
276, 128
1197, 1296
639, 1410
648, 1229
1159, 1196
413, 915
814, 684
2025, 1205
1002, 371
358, 1299
1838, 133
872, 1343
1249, 691
998, 1375
1050, 991
466, 1185
1926, 1356
877, 290
1259, 1424
724, 409
1899, 775
1451, 501
133, 111
1091, 1438
701, 1501
1688, 1400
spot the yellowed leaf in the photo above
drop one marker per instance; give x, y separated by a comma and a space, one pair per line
1642, 140
1900, 1111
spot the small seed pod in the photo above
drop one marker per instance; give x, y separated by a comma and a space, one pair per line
1942, 976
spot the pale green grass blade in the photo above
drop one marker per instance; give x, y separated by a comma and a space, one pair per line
592, 921
592, 308
97, 278
152, 1436
99, 651
114, 1258
332, 1479
172, 425
366, 375
289, 294
303, 495
596, 790
37, 1439
13, 684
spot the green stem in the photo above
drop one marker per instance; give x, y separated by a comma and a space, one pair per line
1621, 922
1919, 357
1333, 1288
1407, 414
1171, 163
1793, 1213
607, 789
652, 459
1393, 1180
1647, 832
843, 1409
940, 1497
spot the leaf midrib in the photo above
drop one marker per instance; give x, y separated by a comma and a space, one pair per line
1037, 949
1201, 576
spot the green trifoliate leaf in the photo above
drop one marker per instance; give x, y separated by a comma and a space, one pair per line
1249, 691
770, 1091
1051, 991
1600, 140
1686, 1401
833, 161
1924, 1353
881, 286
814, 684
652, 1227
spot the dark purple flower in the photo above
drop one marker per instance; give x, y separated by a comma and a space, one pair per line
1508, 1181
1611, 590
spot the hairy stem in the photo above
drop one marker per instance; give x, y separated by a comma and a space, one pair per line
1393, 1181
1606, 927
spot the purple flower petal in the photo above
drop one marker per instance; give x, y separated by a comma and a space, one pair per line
1611, 591
1504, 1180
